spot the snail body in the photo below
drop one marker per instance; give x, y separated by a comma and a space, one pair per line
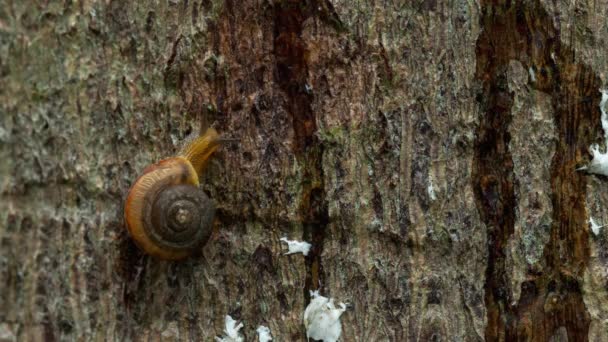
166, 213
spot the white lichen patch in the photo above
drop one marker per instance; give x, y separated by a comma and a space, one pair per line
322, 318
595, 228
264, 334
231, 331
532, 74
599, 163
431, 190
296, 246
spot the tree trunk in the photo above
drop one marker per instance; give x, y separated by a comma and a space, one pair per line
426, 149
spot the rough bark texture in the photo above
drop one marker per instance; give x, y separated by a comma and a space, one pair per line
425, 148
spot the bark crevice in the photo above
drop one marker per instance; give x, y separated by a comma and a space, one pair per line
550, 301
291, 75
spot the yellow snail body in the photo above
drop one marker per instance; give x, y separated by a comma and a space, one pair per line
167, 215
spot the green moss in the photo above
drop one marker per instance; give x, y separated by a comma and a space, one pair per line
332, 135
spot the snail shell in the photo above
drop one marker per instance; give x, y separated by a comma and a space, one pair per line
167, 215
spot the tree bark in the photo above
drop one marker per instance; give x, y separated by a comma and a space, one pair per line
426, 149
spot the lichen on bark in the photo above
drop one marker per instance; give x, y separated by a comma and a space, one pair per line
344, 112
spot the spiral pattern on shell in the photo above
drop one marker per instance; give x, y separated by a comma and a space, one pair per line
179, 218
167, 215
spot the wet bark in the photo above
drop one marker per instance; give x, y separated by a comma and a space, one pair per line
426, 149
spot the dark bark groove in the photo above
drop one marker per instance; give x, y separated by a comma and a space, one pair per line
550, 300
291, 75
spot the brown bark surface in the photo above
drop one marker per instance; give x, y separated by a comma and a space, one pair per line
427, 149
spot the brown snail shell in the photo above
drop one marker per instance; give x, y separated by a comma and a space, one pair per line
167, 214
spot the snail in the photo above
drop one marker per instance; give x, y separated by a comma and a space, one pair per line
166, 213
